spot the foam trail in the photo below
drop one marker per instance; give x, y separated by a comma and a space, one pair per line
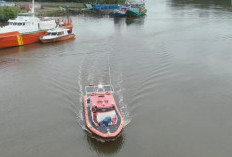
122, 106
80, 116
109, 70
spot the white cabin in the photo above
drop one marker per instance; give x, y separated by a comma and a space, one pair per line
55, 33
26, 24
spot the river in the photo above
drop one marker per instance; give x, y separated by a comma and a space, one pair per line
171, 71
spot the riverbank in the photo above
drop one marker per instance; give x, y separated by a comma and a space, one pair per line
50, 9
63, 9
54, 12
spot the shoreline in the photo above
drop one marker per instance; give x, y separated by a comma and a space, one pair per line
52, 9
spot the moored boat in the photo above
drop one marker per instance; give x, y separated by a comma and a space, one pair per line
24, 29
15, 38
119, 13
136, 9
102, 116
105, 6
57, 34
134, 12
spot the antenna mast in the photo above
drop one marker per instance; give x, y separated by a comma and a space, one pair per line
33, 8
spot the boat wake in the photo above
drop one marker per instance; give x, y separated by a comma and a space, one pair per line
119, 89
80, 116
89, 74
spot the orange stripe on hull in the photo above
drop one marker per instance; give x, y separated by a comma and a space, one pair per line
93, 130
9, 39
15, 39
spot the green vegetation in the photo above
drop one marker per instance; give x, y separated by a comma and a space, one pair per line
7, 13
52, 13
108, 1
80, 1
62, 4
56, 13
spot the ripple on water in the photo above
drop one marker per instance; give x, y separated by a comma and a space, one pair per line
94, 69
156, 72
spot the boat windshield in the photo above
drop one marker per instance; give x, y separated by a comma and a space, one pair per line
105, 109
17, 24
60, 33
52, 33
106, 118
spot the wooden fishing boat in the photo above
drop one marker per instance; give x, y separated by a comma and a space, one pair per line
136, 9
119, 13
57, 34
102, 116
105, 6
134, 12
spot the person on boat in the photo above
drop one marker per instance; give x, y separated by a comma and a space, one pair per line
106, 121
94, 109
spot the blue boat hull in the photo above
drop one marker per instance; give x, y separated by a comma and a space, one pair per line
107, 6
118, 14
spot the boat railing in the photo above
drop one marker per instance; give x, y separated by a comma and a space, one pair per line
99, 88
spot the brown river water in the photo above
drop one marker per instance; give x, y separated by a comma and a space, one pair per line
171, 71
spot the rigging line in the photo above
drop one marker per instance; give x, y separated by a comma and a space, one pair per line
109, 69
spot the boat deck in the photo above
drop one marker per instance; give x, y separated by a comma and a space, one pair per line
101, 128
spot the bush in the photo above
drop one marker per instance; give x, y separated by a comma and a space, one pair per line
56, 13
7, 12
81, 1
106, 1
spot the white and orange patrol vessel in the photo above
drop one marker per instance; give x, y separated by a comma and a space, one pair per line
27, 29
58, 34
24, 29
102, 116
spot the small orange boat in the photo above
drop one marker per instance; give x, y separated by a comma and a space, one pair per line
57, 34
102, 116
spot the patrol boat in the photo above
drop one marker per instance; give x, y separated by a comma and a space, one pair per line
102, 116
57, 34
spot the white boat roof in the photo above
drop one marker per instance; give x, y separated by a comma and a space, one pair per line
57, 30
24, 19
104, 88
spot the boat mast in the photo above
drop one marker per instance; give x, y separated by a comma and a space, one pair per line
33, 8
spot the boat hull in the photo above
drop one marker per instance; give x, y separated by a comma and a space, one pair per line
105, 6
102, 131
67, 37
118, 14
135, 12
13, 39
